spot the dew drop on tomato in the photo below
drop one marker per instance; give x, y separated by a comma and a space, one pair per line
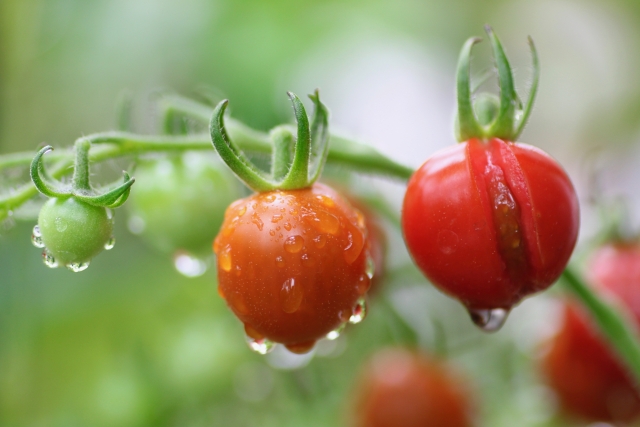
48, 259
363, 285
36, 237
224, 259
293, 244
260, 346
359, 312
489, 320
291, 295
255, 218
320, 241
300, 348
110, 244
335, 334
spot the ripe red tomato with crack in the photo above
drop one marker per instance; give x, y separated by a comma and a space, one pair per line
292, 265
490, 222
586, 375
404, 388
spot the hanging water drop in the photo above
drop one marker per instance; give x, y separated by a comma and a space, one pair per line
36, 237
489, 320
291, 295
260, 346
189, 266
77, 267
335, 334
359, 312
110, 243
48, 259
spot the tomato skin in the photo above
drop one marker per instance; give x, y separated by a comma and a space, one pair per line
580, 367
74, 231
292, 264
181, 201
404, 388
463, 232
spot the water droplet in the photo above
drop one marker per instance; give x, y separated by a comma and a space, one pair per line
370, 266
293, 244
136, 225
36, 237
77, 267
291, 295
272, 232
327, 201
260, 346
287, 226
48, 259
189, 266
354, 247
489, 320
255, 218
270, 198
224, 259
276, 218
447, 242
323, 221
300, 348
61, 224
241, 211
279, 261
363, 285
361, 220
320, 241
336, 332
359, 312
110, 243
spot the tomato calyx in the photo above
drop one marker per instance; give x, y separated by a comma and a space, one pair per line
80, 187
502, 118
296, 162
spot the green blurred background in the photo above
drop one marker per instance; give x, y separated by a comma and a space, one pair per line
131, 342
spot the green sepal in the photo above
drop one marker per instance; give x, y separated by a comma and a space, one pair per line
237, 161
41, 179
112, 198
289, 171
80, 188
512, 116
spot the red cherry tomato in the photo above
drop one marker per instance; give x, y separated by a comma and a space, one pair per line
490, 222
586, 375
292, 265
402, 388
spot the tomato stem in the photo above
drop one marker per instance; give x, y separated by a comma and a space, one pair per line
617, 329
80, 180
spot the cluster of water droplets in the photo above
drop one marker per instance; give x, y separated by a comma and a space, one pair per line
50, 261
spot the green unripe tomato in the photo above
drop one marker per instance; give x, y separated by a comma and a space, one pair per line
178, 203
72, 231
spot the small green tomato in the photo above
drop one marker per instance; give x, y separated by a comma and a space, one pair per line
73, 232
179, 203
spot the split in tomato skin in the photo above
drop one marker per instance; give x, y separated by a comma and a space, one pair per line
490, 222
292, 265
404, 388
584, 372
